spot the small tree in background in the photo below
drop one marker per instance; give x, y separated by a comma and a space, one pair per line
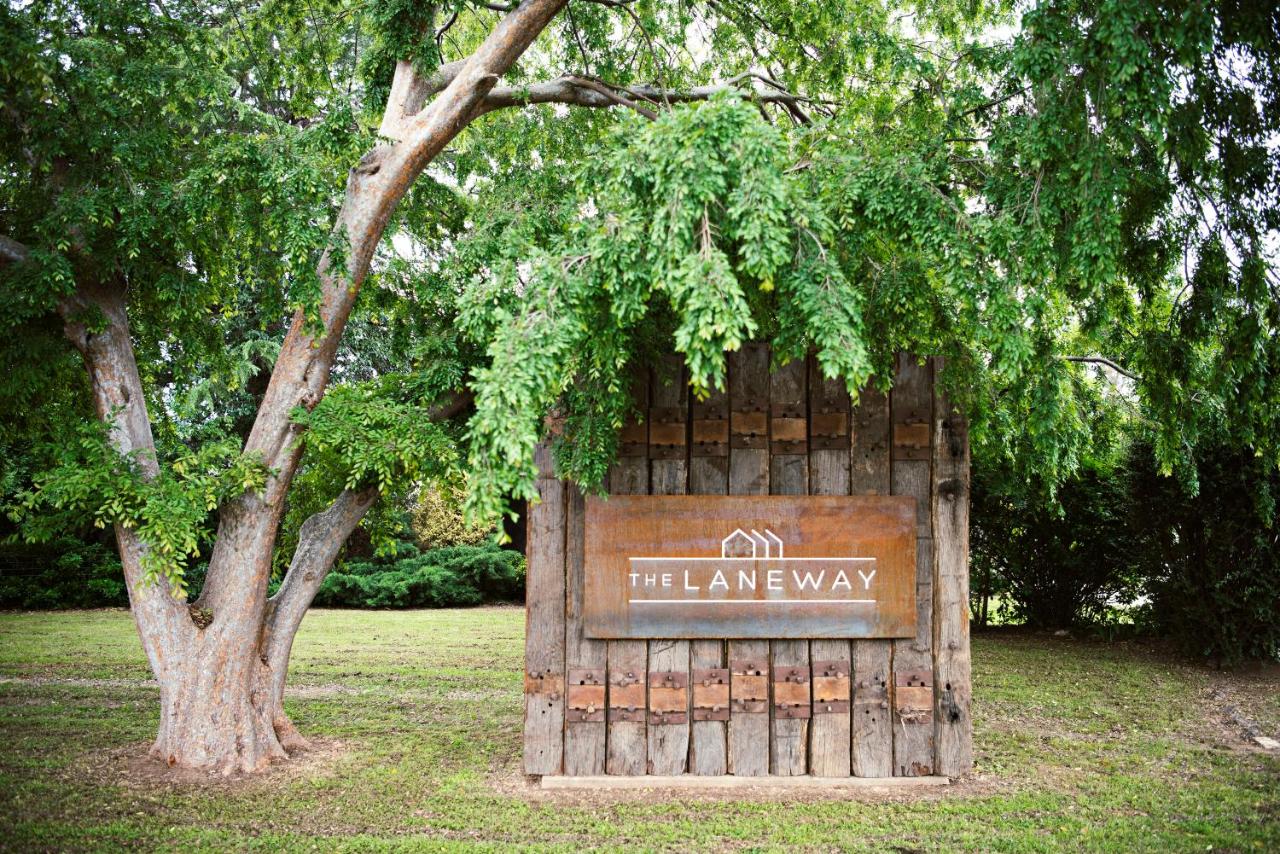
438, 520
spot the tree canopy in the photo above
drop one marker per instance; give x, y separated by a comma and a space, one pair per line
1016, 187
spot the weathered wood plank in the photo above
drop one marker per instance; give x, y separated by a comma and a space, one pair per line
871, 735
584, 741
789, 475
748, 731
911, 411
545, 624
669, 475
869, 456
872, 727
626, 741
709, 475
829, 745
952, 664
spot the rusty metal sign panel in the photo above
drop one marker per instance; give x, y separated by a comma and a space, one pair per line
759, 566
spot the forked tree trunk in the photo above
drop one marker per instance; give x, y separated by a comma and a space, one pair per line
221, 663
222, 707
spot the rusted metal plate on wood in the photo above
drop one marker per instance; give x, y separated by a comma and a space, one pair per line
626, 697
549, 683
668, 697
791, 692
749, 686
584, 697
830, 430
684, 566
749, 429
830, 687
667, 436
913, 696
711, 694
710, 437
633, 439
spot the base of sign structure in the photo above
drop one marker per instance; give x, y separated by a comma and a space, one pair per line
694, 781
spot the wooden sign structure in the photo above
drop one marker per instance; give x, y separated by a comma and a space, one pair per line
835, 688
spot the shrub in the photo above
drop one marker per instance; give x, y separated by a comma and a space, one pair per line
456, 576
437, 519
1212, 560
64, 573
1054, 565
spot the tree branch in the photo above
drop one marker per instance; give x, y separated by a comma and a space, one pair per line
319, 541
240, 565
596, 86
11, 251
575, 90
410, 91
1102, 360
453, 404
120, 403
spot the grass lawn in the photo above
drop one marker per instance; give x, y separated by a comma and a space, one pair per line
1080, 746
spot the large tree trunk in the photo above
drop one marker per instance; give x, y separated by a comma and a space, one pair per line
215, 709
222, 704
221, 663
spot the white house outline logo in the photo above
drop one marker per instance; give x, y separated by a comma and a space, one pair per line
768, 539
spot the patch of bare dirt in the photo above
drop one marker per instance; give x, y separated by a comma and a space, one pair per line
1232, 712
131, 766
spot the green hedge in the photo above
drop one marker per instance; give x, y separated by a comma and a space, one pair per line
448, 577
65, 573
70, 573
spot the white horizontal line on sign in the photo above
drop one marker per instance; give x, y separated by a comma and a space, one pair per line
753, 601
776, 559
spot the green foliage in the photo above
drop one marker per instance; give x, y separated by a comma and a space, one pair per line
451, 577
673, 219
92, 482
66, 572
996, 184
1056, 564
1212, 559
1121, 543
373, 438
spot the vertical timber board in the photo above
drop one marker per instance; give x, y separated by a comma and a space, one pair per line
829, 748
869, 474
625, 740
709, 475
952, 664
749, 420
545, 624
584, 740
748, 739
789, 475
669, 475
869, 454
911, 415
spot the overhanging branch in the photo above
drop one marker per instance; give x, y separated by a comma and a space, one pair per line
410, 91
579, 91
1102, 360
